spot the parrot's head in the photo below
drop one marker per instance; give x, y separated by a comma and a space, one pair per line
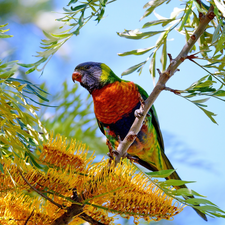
93, 75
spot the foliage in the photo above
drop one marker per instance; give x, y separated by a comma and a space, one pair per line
99, 190
210, 47
207, 206
21, 129
73, 117
22, 132
75, 19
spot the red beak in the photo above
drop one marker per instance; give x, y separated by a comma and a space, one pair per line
76, 76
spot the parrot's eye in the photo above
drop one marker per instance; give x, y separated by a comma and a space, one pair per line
87, 67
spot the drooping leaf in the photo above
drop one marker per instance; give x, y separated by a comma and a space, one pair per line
198, 201
209, 114
152, 67
161, 173
133, 68
137, 51
136, 34
152, 5
187, 15
164, 22
173, 182
220, 45
185, 192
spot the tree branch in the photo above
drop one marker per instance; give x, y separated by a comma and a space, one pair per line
164, 77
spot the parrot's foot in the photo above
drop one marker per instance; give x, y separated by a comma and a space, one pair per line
110, 154
132, 158
140, 112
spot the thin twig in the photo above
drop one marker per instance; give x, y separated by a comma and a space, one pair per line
29, 217
40, 193
164, 77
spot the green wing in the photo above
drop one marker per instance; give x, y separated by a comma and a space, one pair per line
155, 121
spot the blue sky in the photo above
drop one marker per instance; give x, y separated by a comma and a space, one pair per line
194, 144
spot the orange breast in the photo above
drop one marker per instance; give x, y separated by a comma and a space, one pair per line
115, 100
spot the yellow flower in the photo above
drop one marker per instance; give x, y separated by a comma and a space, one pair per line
59, 152
101, 189
122, 190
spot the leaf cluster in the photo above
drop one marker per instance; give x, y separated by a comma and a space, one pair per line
74, 18
210, 46
21, 130
199, 202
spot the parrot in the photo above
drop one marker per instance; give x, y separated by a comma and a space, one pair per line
115, 102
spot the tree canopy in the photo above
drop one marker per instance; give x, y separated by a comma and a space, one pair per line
49, 174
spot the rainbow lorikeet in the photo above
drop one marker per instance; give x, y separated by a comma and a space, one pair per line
115, 101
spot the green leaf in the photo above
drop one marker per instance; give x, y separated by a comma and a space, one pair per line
2, 35
173, 182
5, 35
216, 33
136, 34
152, 5
61, 36
33, 160
209, 114
161, 173
201, 100
164, 22
163, 58
4, 25
133, 68
220, 45
30, 70
103, 2
199, 8
211, 209
33, 64
100, 15
137, 51
220, 93
78, 7
1, 168
71, 2
185, 192
198, 201
152, 66
187, 15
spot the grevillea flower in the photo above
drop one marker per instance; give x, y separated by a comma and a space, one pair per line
101, 189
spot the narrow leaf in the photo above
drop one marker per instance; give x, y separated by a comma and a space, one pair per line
173, 182
136, 34
152, 67
137, 51
209, 114
133, 68
161, 173
185, 192
187, 14
152, 5
220, 93
156, 22
197, 201
78, 7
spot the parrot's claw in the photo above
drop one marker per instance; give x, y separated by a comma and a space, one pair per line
139, 113
132, 158
109, 155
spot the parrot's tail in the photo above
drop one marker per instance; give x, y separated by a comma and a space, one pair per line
174, 175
